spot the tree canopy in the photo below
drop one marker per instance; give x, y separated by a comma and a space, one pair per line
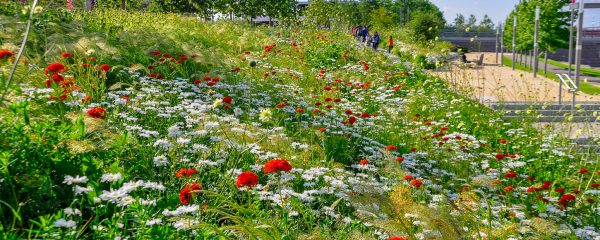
553, 29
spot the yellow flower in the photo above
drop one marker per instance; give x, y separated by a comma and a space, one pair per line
217, 103
265, 115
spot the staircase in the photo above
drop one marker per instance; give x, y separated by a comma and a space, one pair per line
585, 115
550, 112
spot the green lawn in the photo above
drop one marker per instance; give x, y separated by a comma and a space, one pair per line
586, 71
584, 86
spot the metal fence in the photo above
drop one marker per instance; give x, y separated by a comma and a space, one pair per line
457, 33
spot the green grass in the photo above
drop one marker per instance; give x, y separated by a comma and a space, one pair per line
583, 86
587, 71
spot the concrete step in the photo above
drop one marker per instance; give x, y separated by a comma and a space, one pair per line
589, 149
577, 119
550, 113
586, 141
589, 106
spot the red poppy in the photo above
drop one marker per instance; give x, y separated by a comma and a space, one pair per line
416, 183
105, 67
65, 55
532, 189
5, 54
502, 141
511, 174
322, 129
408, 178
566, 199
277, 165
86, 99
397, 238
560, 190
499, 156
227, 100
299, 110
185, 172
186, 193
400, 159
413, 149
281, 105
546, 185
156, 53
246, 179
508, 189
352, 120
363, 162
97, 112
391, 148
56, 67
583, 171
57, 78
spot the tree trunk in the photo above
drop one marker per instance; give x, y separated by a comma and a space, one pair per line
531, 59
545, 62
123, 4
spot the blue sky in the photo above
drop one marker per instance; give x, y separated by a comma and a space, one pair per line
497, 10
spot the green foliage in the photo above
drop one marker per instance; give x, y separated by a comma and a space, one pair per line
381, 19
553, 30
425, 26
459, 22
486, 24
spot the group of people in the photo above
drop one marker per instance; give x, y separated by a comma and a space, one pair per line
361, 33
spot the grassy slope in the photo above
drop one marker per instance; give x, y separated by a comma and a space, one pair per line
428, 107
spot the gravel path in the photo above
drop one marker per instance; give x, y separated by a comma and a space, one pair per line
494, 83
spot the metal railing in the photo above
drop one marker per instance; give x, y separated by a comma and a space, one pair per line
571, 87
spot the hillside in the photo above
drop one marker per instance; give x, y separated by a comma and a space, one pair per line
128, 125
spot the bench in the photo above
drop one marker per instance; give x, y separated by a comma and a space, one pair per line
478, 62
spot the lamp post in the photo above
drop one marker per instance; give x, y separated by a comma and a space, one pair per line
501, 44
535, 41
514, 42
497, 42
571, 36
578, 48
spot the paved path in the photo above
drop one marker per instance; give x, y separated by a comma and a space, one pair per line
559, 70
494, 83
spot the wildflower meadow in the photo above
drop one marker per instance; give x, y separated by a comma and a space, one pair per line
146, 125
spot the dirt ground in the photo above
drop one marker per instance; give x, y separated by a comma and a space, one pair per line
493, 83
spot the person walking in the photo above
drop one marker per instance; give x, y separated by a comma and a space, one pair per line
376, 41
390, 44
369, 40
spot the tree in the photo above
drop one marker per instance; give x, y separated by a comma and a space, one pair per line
459, 22
486, 23
472, 22
554, 25
382, 19
425, 26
